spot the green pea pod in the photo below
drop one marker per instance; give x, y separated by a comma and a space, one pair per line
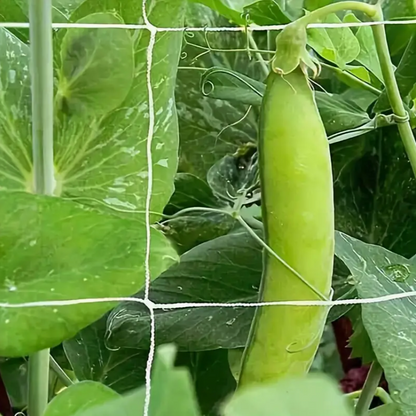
298, 214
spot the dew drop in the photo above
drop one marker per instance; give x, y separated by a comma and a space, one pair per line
398, 272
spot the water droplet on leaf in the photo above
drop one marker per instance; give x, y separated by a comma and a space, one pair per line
398, 272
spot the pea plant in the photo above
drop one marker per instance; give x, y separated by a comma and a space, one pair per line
207, 222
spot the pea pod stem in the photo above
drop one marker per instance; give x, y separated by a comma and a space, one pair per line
368, 9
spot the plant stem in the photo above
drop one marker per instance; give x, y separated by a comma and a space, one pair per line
38, 383
376, 14
320, 295
360, 83
380, 393
369, 389
41, 49
392, 90
318, 14
383, 395
56, 368
258, 55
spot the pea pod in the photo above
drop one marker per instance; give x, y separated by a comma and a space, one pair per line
298, 215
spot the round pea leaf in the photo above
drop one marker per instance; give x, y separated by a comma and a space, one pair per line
78, 397
97, 67
51, 250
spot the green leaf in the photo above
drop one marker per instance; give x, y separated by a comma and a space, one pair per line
343, 288
93, 81
130, 11
172, 391
190, 191
211, 129
171, 388
390, 409
338, 113
212, 378
311, 5
122, 369
52, 249
360, 97
100, 159
268, 12
327, 359
405, 75
15, 114
368, 53
132, 404
233, 175
336, 45
18, 11
390, 325
61, 9
11, 11
65, 7
104, 160
227, 84
14, 373
360, 342
398, 35
188, 231
227, 269
223, 9
360, 72
80, 397
193, 228
319, 396
374, 191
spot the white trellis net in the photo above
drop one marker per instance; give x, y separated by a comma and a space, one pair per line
153, 30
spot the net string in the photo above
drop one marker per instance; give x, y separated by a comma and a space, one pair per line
151, 107
184, 305
153, 30
251, 28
